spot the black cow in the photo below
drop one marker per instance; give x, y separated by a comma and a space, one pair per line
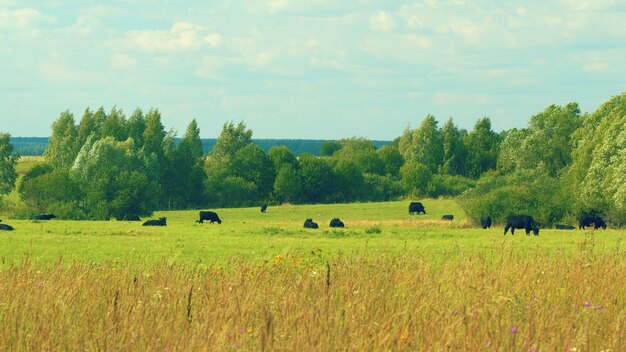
587, 220
129, 218
485, 221
5, 227
336, 223
209, 216
309, 224
564, 227
45, 217
447, 217
416, 207
521, 222
160, 222
263, 207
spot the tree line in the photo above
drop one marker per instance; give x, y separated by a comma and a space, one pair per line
108, 165
36, 146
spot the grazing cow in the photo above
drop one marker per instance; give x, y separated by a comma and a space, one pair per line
129, 218
587, 220
45, 217
485, 221
209, 216
447, 217
416, 207
5, 227
263, 207
521, 222
336, 223
160, 222
564, 227
309, 224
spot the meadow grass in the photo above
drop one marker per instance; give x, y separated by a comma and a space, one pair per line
388, 281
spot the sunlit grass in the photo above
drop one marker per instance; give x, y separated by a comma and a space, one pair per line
261, 281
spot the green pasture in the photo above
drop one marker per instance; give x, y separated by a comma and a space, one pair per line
249, 235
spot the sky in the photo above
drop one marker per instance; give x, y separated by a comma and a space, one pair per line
308, 69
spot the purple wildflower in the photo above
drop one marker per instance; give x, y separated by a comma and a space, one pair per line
586, 304
599, 306
513, 329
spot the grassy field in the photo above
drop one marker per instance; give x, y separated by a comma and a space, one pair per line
388, 281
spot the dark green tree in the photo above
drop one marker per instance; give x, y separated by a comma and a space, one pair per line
416, 178
281, 155
288, 184
136, 126
318, 179
63, 143
454, 150
253, 165
115, 125
8, 161
362, 153
483, 147
329, 148
391, 159
187, 168
424, 145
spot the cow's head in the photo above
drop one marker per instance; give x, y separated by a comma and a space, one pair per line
536, 231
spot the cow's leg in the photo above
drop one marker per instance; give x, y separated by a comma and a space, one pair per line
506, 228
512, 230
527, 231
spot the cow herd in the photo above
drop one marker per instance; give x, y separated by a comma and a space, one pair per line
513, 222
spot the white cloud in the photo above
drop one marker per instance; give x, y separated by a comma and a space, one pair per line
213, 39
182, 36
276, 5
589, 5
382, 22
123, 61
26, 21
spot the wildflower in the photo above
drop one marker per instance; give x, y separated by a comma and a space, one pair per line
488, 343
586, 304
513, 330
599, 306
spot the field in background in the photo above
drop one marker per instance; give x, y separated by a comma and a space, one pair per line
389, 281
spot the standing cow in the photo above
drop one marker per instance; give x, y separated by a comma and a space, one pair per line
485, 221
587, 220
416, 207
521, 222
263, 207
209, 216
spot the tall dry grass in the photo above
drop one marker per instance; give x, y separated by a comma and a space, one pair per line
500, 301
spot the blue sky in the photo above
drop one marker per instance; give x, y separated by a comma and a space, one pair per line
308, 69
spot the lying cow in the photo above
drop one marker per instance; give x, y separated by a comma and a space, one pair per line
564, 227
45, 217
309, 224
416, 207
209, 216
5, 227
336, 223
447, 217
587, 220
160, 222
263, 207
485, 221
521, 222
